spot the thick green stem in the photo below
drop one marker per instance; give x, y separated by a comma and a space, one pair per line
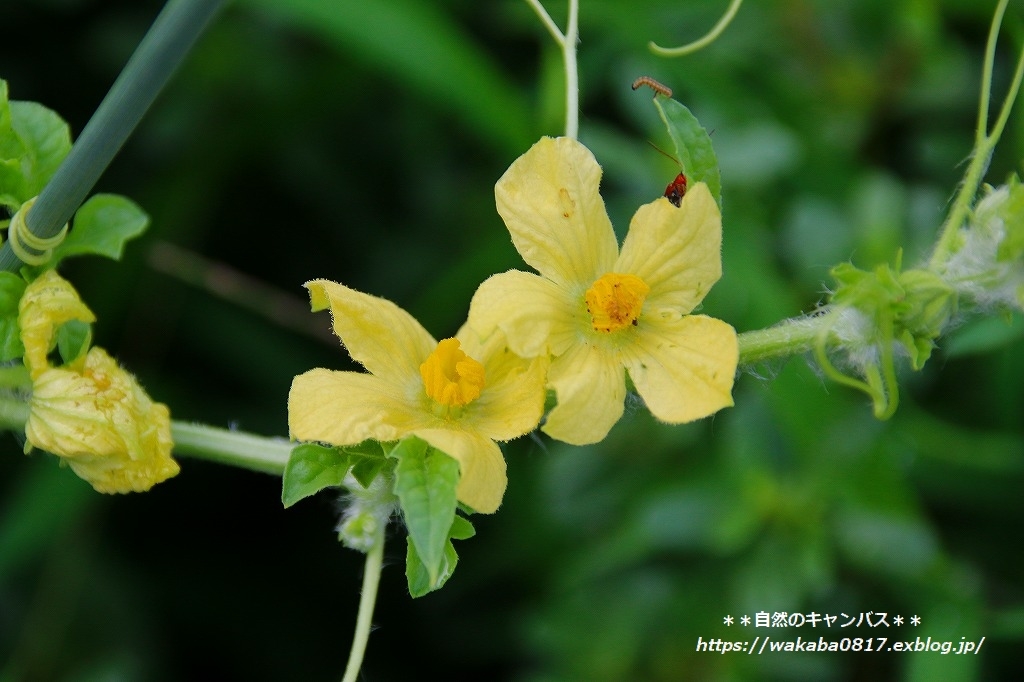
161, 51
235, 448
13, 414
790, 337
367, 601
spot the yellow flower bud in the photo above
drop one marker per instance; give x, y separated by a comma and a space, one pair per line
91, 413
102, 423
48, 302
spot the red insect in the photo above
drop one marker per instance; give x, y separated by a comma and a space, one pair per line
676, 190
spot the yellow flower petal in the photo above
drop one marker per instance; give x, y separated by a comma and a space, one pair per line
48, 302
345, 408
534, 313
513, 401
676, 251
99, 420
684, 368
591, 387
550, 202
482, 478
379, 335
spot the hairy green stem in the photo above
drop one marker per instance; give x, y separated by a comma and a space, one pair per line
163, 48
13, 414
367, 601
790, 337
984, 143
244, 450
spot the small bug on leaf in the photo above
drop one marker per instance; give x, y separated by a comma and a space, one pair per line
676, 189
659, 88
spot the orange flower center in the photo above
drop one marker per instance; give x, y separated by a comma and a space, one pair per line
450, 376
614, 301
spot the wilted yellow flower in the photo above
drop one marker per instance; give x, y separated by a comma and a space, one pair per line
91, 413
460, 394
600, 313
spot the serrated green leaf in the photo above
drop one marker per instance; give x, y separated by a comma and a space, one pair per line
310, 469
417, 575
47, 140
692, 145
102, 226
73, 340
461, 529
425, 482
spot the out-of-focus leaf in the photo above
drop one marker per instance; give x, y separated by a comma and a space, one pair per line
45, 498
11, 288
418, 44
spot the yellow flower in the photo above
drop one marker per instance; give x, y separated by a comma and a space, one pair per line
460, 394
599, 312
91, 413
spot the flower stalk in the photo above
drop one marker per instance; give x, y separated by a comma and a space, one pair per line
161, 51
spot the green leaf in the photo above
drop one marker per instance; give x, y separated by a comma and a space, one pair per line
461, 529
47, 140
368, 459
102, 226
10, 146
12, 184
425, 482
310, 469
11, 288
692, 145
73, 340
417, 574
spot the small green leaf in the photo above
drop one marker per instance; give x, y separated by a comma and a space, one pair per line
47, 140
368, 460
102, 226
418, 576
310, 469
73, 340
425, 482
692, 145
461, 529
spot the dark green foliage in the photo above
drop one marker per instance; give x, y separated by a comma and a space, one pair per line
291, 147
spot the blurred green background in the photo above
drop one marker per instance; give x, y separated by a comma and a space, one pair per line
360, 141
